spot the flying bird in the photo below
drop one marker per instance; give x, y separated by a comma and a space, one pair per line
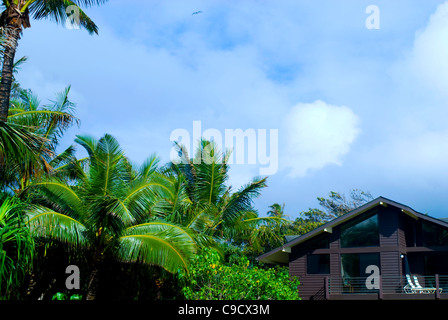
196, 12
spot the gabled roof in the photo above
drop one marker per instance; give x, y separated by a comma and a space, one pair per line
280, 255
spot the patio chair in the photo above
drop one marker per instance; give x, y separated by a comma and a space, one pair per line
423, 289
427, 289
410, 288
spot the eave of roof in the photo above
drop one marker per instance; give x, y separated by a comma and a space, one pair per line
280, 255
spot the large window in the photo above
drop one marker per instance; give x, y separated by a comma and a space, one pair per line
434, 235
321, 241
318, 264
354, 265
361, 232
355, 270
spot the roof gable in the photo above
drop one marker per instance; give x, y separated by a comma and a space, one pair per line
280, 255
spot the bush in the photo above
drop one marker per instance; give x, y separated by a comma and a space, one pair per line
209, 279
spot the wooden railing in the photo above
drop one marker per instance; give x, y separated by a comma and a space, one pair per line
411, 286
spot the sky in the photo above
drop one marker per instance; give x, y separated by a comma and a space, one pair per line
333, 95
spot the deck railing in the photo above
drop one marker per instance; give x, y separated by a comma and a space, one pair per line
381, 285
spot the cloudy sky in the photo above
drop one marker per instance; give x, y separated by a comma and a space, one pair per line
353, 107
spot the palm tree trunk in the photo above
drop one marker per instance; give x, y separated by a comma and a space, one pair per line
12, 36
12, 20
92, 288
93, 285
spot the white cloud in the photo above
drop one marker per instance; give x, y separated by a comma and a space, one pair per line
412, 149
318, 134
428, 59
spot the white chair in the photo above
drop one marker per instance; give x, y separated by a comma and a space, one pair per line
423, 290
410, 288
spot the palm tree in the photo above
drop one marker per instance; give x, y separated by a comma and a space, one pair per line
47, 123
16, 16
17, 146
202, 200
277, 210
107, 212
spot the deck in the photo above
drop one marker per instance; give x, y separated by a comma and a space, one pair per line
386, 288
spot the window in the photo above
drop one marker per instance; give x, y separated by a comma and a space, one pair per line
436, 263
434, 235
362, 232
354, 265
318, 264
319, 242
355, 272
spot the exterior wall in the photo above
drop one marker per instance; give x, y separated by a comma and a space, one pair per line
390, 250
409, 242
400, 235
312, 286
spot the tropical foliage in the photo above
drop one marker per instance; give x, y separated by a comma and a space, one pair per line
16, 17
209, 206
16, 249
107, 212
47, 123
211, 279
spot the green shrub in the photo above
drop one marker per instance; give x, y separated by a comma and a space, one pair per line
209, 279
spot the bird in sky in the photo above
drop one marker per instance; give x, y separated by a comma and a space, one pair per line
196, 12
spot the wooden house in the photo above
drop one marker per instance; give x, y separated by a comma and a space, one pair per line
381, 250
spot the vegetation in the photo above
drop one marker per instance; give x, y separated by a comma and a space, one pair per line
137, 223
16, 249
173, 231
211, 279
16, 17
106, 212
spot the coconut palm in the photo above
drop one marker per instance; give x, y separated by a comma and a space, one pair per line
17, 146
107, 212
203, 201
16, 16
277, 210
47, 123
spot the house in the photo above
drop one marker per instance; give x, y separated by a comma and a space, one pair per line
381, 250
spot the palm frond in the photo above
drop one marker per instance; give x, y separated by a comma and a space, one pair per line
57, 11
16, 248
242, 200
18, 144
211, 172
59, 196
88, 143
142, 195
175, 205
46, 223
162, 244
149, 166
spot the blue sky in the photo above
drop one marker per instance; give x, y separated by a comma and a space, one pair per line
354, 108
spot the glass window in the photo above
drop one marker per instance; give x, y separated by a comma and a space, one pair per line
319, 242
434, 235
354, 265
361, 233
436, 263
318, 264
354, 271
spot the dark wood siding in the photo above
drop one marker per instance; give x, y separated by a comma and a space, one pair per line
399, 232
390, 264
389, 242
311, 285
